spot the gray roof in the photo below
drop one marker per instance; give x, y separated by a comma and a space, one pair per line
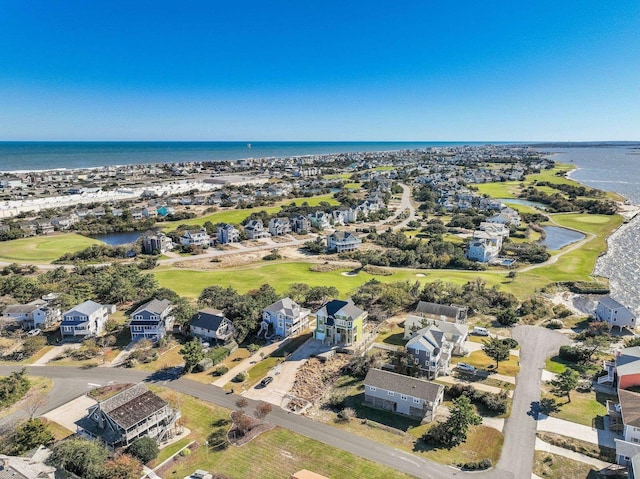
132, 405
155, 306
429, 339
344, 308
630, 407
87, 308
628, 361
24, 308
208, 319
287, 305
425, 307
611, 303
407, 385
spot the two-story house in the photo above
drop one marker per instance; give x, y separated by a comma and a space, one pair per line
255, 230
279, 226
340, 322
401, 394
211, 325
299, 224
195, 238
615, 314
132, 413
319, 220
156, 243
85, 320
36, 314
286, 317
343, 241
625, 415
227, 233
152, 320
452, 313
484, 247
430, 352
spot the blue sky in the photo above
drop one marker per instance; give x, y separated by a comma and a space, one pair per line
296, 70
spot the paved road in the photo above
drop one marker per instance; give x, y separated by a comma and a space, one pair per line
536, 344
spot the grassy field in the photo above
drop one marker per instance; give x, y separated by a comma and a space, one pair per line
280, 275
237, 216
272, 455
546, 464
585, 408
43, 249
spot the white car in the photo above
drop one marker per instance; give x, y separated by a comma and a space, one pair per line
33, 332
467, 368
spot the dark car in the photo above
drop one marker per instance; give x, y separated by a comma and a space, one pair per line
266, 381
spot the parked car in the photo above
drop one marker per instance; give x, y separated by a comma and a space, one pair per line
467, 368
266, 381
34, 332
480, 331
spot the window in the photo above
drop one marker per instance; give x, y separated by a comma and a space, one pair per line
390, 393
403, 397
372, 388
416, 401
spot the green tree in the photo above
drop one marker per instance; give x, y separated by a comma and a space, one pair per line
82, 457
454, 430
29, 435
144, 448
496, 349
565, 382
192, 353
507, 317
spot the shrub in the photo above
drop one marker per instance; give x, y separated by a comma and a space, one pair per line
144, 448
346, 414
221, 370
204, 365
185, 452
554, 324
476, 465
507, 317
217, 354
512, 343
240, 377
336, 401
573, 354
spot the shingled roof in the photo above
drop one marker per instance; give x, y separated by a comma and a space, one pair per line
425, 307
132, 405
417, 388
344, 308
155, 306
630, 407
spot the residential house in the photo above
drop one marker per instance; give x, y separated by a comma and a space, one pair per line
624, 369
44, 227
319, 220
227, 233
156, 243
506, 216
343, 241
337, 217
85, 320
340, 322
195, 238
211, 325
431, 347
151, 320
404, 395
137, 214
286, 317
615, 314
255, 230
625, 416
299, 224
484, 247
435, 311
150, 212
494, 229
36, 314
279, 226
30, 467
132, 413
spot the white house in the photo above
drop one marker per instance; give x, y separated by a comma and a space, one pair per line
615, 314
342, 241
195, 238
625, 415
36, 314
484, 247
85, 320
211, 325
286, 317
255, 230
279, 226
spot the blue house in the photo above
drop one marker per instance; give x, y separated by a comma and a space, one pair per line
151, 320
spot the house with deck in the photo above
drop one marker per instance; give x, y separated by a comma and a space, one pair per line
36, 314
299, 224
85, 320
255, 230
340, 322
285, 317
151, 320
401, 394
156, 243
615, 314
195, 238
132, 413
212, 326
226, 233
343, 241
624, 417
279, 226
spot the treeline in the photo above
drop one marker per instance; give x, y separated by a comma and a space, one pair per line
100, 253
573, 191
558, 203
526, 252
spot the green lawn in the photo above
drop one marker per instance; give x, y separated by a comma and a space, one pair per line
585, 408
481, 361
238, 216
43, 249
272, 455
280, 275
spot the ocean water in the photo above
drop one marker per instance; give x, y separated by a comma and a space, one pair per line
617, 169
16, 156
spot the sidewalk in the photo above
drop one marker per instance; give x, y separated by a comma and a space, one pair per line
54, 353
478, 386
578, 431
576, 456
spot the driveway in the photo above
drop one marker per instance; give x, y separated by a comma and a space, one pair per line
67, 414
284, 375
579, 431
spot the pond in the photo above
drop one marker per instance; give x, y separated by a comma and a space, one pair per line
117, 239
558, 237
518, 201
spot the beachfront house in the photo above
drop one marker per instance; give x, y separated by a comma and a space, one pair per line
401, 394
132, 413
615, 314
85, 320
285, 317
340, 322
151, 320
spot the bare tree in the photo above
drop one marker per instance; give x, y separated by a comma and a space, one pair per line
262, 410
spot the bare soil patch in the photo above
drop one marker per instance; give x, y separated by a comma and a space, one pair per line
315, 377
